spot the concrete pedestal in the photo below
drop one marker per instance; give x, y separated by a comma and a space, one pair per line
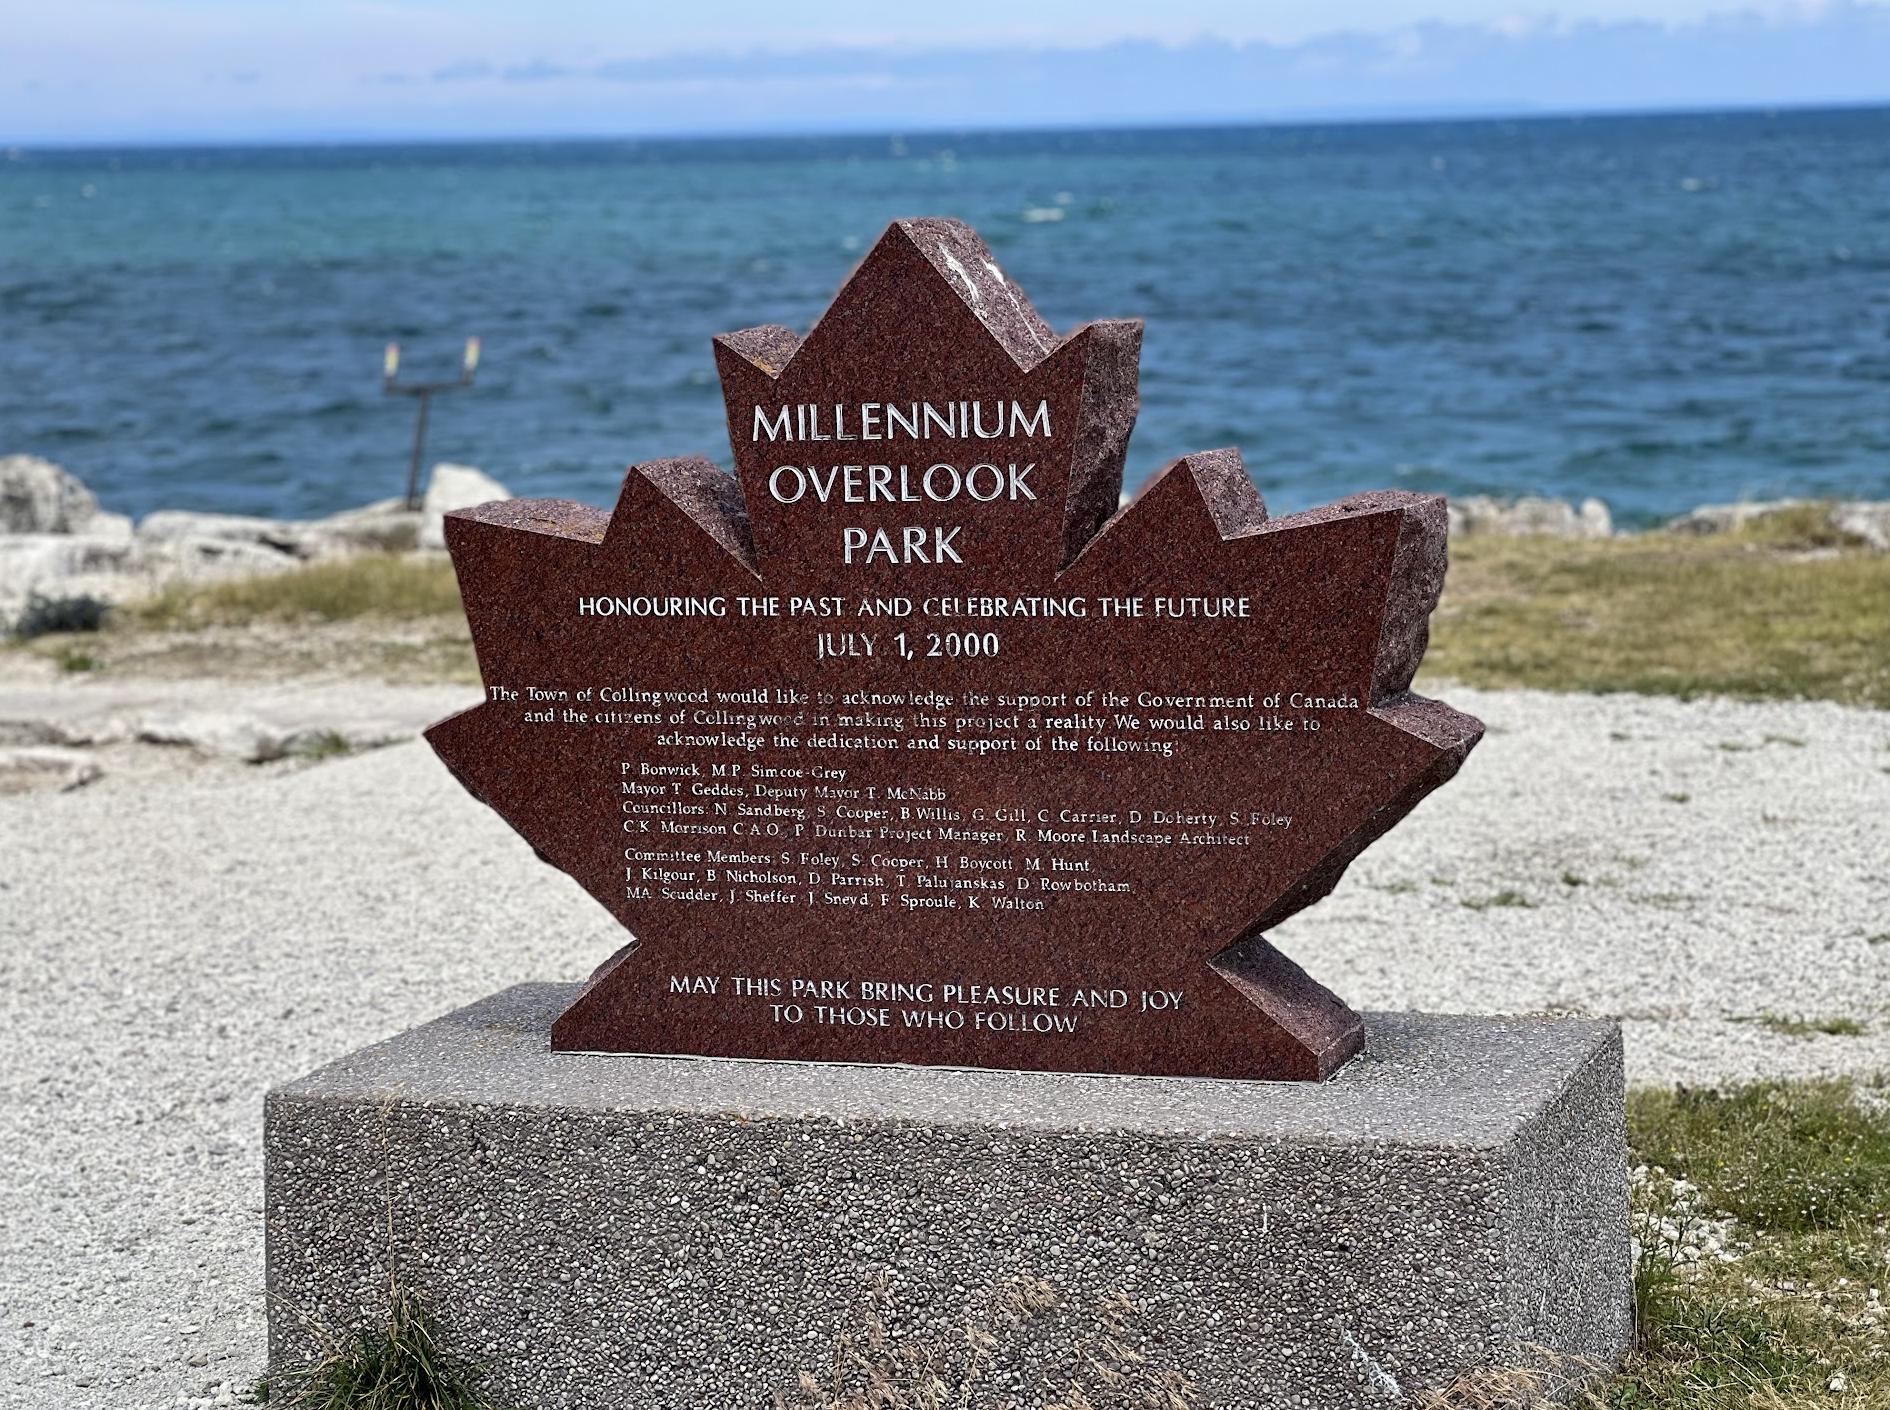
664, 1232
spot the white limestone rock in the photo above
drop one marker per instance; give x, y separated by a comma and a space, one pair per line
454, 487
1865, 522
38, 497
38, 561
386, 526
110, 527
171, 526
198, 558
46, 769
1596, 518
116, 566
1726, 518
1531, 515
215, 735
102, 567
260, 737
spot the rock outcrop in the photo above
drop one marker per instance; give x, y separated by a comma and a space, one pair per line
454, 487
38, 497
57, 545
172, 526
1530, 516
60, 732
1860, 522
45, 768
385, 526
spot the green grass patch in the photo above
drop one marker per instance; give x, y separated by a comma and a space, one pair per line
1501, 901
1775, 1310
372, 585
1778, 1156
1706, 1351
1792, 1027
1668, 614
328, 744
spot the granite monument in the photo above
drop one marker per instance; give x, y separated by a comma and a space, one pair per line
906, 744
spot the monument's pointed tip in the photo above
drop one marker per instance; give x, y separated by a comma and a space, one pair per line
1226, 490
1202, 498
693, 487
956, 258
963, 263
962, 258
1308, 1029
767, 348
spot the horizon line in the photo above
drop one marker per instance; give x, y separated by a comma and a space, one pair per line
1338, 116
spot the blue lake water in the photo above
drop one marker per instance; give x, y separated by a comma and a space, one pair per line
1662, 311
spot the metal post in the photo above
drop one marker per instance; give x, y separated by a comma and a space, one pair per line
424, 396
423, 393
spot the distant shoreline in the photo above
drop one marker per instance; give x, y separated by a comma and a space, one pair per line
19, 150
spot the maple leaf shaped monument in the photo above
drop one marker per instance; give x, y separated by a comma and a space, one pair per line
906, 744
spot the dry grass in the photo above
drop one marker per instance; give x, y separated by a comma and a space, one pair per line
420, 651
390, 587
1754, 615
383, 616
1551, 1381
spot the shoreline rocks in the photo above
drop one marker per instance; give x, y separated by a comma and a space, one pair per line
1866, 523
39, 497
1531, 516
453, 487
56, 545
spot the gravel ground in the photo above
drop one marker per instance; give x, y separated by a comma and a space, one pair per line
112, 723
169, 951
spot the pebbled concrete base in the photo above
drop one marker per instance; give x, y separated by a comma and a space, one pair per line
676, 1232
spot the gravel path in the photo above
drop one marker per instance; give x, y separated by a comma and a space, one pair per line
167, 952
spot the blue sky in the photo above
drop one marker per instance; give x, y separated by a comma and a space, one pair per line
230, 70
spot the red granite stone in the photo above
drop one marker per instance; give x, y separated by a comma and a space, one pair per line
1093, 756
